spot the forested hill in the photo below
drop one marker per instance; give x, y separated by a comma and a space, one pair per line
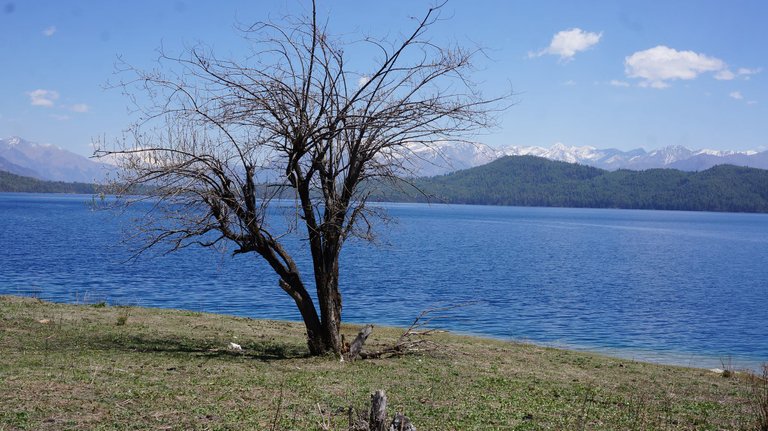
15, 183
534, 181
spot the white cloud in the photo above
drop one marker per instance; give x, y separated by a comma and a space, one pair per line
617, 83
50, 31
742, 72
79, 107
725, 75
745, 72
657, 66
569, 83
736, 95
567, 43
362, 81
42, 97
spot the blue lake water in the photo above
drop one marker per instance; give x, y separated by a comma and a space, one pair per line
676, 287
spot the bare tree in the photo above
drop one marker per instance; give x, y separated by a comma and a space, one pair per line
219, 140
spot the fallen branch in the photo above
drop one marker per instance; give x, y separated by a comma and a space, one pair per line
413, 339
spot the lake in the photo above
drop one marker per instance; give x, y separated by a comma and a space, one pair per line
684, 288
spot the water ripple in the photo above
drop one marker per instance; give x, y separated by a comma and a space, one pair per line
675, 287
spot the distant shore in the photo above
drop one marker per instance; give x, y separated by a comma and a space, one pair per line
529, 181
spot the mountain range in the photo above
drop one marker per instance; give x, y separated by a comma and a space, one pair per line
443, 158
520, 180
49, 162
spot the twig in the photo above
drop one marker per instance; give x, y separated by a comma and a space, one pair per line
276, 418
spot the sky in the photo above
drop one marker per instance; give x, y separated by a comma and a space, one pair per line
607, 74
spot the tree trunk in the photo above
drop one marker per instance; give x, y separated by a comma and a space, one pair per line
315, 336
329, 298
330, 314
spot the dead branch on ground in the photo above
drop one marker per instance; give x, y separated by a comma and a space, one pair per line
415, 338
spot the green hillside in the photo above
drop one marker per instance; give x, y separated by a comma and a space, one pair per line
534, 181
16, 183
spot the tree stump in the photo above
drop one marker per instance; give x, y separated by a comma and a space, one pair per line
378, 419
357, 345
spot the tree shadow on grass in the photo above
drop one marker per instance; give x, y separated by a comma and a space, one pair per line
267, 350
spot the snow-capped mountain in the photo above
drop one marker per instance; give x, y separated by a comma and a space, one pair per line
446, 157
608, 159
704, 160
443, 157
48, 162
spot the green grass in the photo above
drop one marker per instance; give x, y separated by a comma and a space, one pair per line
107, 368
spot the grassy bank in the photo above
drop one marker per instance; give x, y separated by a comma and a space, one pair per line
102, 367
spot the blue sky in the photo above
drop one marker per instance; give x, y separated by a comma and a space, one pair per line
609, 74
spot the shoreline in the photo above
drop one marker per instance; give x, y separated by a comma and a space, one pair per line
664, 358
